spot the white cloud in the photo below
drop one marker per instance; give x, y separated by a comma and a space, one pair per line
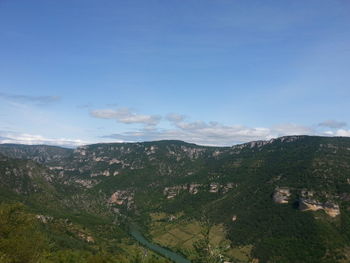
339, 132
200, 132
24, 138
211, 133
124, 115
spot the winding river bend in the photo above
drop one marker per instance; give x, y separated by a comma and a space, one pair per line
136, 234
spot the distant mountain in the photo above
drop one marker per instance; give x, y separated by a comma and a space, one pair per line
282, 200
38, 153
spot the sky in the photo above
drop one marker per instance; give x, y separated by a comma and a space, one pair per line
211, 72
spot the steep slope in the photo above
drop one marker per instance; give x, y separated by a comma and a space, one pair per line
24, 177
70, 224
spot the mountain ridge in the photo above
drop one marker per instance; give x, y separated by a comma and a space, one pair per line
160, 141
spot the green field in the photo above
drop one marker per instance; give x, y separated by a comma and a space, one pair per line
181, 235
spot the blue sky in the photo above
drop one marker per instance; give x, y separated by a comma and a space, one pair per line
211, 72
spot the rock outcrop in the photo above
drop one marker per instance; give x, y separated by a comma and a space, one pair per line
332, 209
87, 183
122, 197
214, 188
171, 192
193, 188
281, 195
44, 219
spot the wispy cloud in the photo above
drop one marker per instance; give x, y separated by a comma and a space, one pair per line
31, 139
214, 133
37, 100
85, 106
203, 138
292, 129
333, 124
125, 115
175, 118
210, 133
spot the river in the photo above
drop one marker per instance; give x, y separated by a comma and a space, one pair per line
135, 233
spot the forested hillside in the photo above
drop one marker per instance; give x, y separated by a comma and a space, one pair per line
283, 200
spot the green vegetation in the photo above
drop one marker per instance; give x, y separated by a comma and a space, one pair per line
208, 203
23, 239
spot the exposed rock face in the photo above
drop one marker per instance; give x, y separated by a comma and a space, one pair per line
259, 144
103, 173
87, 183
194, 188
216, 153
122, 197
192, 153
332, 209
106, 173
44, 219
114, 161
281, 195
309, 204
86, 237
306, 202
171, 192
56, 168
214, 188
90, 239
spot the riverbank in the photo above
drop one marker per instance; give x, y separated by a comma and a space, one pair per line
137, 235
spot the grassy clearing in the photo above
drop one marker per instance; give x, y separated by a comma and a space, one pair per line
240, 253
158, 216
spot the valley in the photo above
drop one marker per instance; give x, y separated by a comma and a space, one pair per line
282, 200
